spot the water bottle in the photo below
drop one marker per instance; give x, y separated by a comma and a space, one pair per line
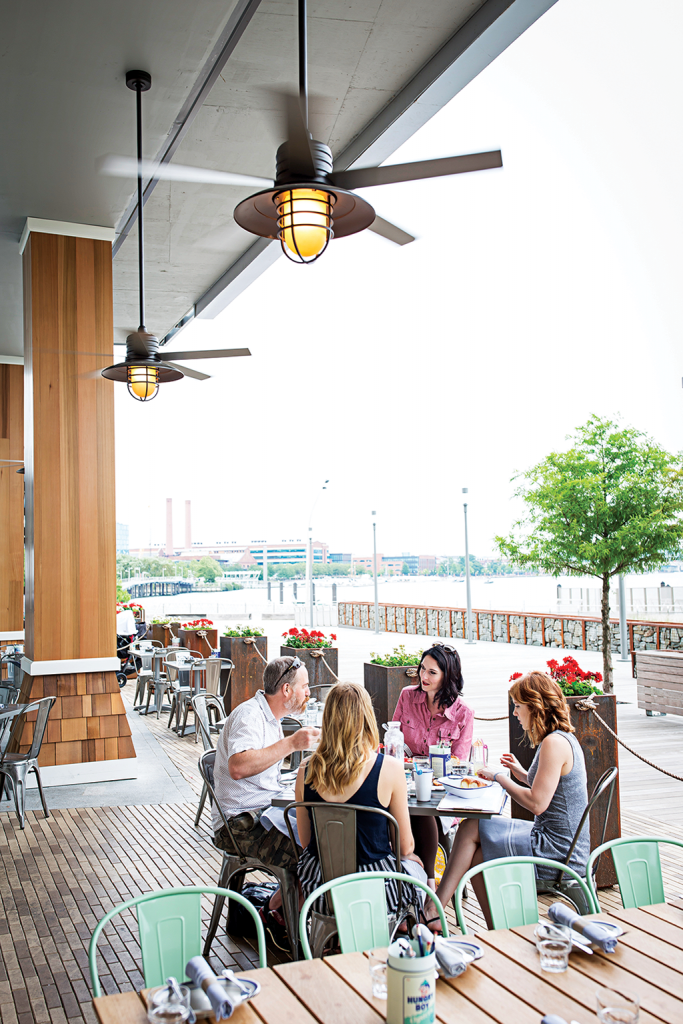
394, 742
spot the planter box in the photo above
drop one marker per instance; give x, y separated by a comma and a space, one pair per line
164, 634
601, 752
247, 675
318, 673
384, 684
190, 638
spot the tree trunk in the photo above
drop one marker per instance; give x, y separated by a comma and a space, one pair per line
606, 638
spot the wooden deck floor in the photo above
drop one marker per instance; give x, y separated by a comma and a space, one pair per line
59, 876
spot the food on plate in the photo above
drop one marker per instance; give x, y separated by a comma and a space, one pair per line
470, 782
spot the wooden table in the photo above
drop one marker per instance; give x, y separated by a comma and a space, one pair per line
506, 986
423, 809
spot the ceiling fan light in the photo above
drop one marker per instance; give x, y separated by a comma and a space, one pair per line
305, 222
143, 382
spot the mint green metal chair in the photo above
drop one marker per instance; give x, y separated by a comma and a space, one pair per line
638, 867
360, 908
511, 890
170, 928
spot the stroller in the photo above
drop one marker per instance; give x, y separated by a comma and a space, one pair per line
129, 665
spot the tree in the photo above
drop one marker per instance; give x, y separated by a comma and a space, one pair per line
611, 504
208, 568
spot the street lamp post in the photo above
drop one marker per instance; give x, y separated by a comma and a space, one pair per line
467, 576
623, 626
310, 553
374, 568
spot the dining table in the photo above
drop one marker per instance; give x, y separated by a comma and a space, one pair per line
505, 986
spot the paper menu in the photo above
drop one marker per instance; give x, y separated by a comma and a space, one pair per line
489, 801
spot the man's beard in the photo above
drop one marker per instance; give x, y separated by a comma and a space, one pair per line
294, 706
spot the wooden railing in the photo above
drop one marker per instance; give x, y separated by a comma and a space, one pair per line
541, 629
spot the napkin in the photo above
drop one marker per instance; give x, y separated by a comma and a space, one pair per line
201, 974
552, 1018
449, 958
591, 930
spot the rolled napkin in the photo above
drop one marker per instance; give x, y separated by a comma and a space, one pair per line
552, 1018
449, 958
201, 974
591, 930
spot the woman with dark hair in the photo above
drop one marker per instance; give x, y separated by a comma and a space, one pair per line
556, 795
431, 712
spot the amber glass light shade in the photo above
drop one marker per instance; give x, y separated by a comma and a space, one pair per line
304, 222
143, 382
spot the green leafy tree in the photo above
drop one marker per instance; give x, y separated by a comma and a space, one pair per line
208, 568
610, 504
122, 595
406, 569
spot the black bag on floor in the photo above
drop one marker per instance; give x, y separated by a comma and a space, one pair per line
240, 921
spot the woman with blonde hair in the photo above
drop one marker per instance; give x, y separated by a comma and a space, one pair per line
346, 768
556, 795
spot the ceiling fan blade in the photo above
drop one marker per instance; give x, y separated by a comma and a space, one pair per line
215, 353
90, 375
188, 372
127, 167
363, 177
388, 230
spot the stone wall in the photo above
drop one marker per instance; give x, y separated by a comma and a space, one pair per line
580, 633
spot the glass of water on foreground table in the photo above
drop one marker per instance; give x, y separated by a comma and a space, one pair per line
554, 943
617, 1007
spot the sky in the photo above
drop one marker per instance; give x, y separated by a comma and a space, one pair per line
533, 297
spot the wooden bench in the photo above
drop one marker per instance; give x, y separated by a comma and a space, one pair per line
660, 682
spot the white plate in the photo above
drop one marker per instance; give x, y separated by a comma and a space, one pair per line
454, 785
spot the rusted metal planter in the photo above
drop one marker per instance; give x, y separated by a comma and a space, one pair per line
165, 634
318, 672
384, 684
191, 639
601, 752
247, 675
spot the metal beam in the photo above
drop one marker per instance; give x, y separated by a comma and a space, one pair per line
490, 30
230, 36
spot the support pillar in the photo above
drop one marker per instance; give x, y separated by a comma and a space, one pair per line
11, 500
70, 505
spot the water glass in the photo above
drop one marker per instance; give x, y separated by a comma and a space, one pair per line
423, 784
377, 965
617, 1007
554, 943
168, 1007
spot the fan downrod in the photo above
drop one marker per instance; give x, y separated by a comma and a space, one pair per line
139, 81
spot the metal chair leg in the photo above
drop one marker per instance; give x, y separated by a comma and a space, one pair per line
202, 801
289, 883
36, 769
228, 868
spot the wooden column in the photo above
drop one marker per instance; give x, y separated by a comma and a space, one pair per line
70, 510
11, 498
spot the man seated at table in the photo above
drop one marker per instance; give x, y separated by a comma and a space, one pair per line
249, 755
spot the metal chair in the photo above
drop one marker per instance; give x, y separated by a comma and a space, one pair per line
567, 888
334, 826
368, 929
289, 725
175, 661
212, 668
235, 866
170, 930
17, 766
638, 867
511, 890
203, 705
321, 690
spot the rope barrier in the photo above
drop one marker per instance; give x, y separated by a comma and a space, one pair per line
590, 705
319, 654
252, 640
500, 718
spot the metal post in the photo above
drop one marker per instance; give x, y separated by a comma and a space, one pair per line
295, 590
282, 592
623, 627
374, 569
467, 576
265, 568
334, 593
310, 576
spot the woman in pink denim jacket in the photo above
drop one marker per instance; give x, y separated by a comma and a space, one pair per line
431, 712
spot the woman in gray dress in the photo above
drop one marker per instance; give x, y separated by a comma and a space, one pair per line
556, 795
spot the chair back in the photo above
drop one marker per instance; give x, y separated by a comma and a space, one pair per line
215, 704
360, 909
43, 707
334, 826
213, 675
321, 690
607, 781
638, 867
8, 693
511, 890
201, 715
169, 924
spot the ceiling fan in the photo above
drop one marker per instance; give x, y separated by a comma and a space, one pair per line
308, 203
143, 369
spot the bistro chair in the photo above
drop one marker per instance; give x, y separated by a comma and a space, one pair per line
203, 706
566, 888
175, 662
15, 767
360, 909
334, 827
211, 667
511, 890
290, 725
638, 866
236, 865
170, 930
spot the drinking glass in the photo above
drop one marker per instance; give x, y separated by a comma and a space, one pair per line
554, 943
617, 1007
377, 965
168, 1007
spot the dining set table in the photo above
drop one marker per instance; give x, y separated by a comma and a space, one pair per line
505, 986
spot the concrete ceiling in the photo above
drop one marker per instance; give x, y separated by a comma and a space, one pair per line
378, 69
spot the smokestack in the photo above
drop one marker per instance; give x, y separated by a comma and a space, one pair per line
188, 525
169, 527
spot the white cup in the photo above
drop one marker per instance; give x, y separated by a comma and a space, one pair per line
423, 784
